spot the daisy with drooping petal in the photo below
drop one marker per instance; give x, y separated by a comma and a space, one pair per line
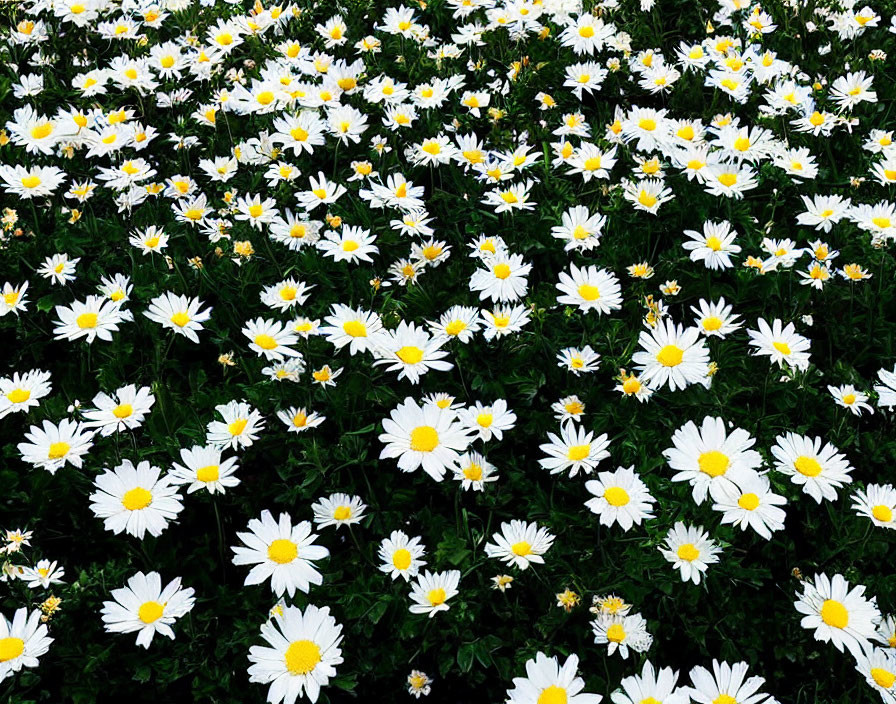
298, 420
878, 667
286, 294
690, 550
848, 397
590, 288
271, 339
426, 436
488, 421
303, 654
338, 510
239, 428
651, 686
819, 470
878, 503
355, 327
401, 556
145, 607
520, 544
178, 313
579, 361
726, 683
621, 632
13, 298
280, 552
135, 499
53, 446
710, 455
671, 355
620, 497
574, 450
432, 590
203, 468
838, 614
473, 471
23, 639
95, 317
782, 344
43, 574
22, 392
410, 351
549, 682
749, 502
714, 246
715, 319
125, 410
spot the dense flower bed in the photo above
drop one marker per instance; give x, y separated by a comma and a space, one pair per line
538, 352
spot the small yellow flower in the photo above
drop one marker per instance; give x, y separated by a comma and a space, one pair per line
244, 248
502, 582
568, 599
641, 270
226, 360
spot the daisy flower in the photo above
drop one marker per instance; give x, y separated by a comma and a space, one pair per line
782, 344
574, 450
355, 327
715, 319
714, 246
621, 632
59, 269
410, 351
878, 503
726, 683
42, 575
125, 410
423, 436
203, 468
280, 552
419, 684
474, 471
671, 355
285, 294
503, 320
819, 470
338, 510
838, 614
144, 607
23, 639
710, 455
240, 426
298, 420
96, 317
271, 339
432, 589
579, 361
301, 654
178, 313
350, 244
651, 685
520, 544
503, 280
13, 298
135, 500
53, 446
878, 667
549, 682
487, 421
690, 550
590, 288
749, 503
22, 392
401, 556
458, 323
568, 408
847, 397
620, 497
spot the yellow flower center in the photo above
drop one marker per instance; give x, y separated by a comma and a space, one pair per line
123, 410
713, 463
473, 472
552, 695
670, 356
266, 342
180, 319
882, 513
410, 354
209, 473
724, 699
883, 678
436, 596
741, 144
58, 450
150, 611
882, 223
589, 292
782, 347
302, 656
502, 271
282, 551
749, 502
712, 323
401, 559
136, 499
631, 386
648, 200
728, 180
355, 328
485, 419
342, 513
424, 438
237, 426
807, 466
616, 496
645, 123
86, 320
833, 613
576, 453
521, 548
616, 633
41, 131
688, 552
455, 327
11, 648
18, 395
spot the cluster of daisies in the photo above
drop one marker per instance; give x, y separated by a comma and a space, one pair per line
314, 148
